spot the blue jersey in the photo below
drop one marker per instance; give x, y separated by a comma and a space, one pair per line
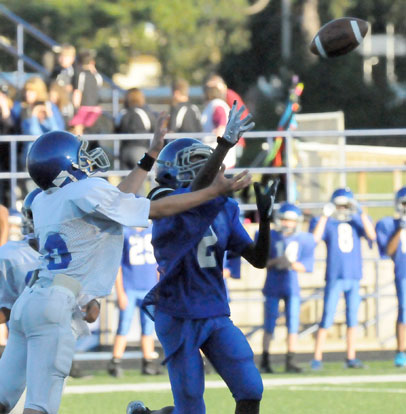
298, 247
385, 229
189, 248
138, 262
343, 241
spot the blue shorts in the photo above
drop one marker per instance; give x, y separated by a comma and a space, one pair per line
332, 291
292, 312
135, 298
225, 347
401, 294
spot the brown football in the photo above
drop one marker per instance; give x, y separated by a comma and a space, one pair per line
339, 37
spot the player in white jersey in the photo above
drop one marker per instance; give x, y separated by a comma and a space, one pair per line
18, 260
79, 223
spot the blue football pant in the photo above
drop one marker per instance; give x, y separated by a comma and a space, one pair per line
226, 348
332, 292
292, 311
401, 294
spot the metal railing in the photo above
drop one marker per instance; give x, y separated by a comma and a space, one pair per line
288, 170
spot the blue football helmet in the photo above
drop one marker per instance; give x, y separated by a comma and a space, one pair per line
28, 224
180, 161
343, 199
291, 213
400, 201
57, 158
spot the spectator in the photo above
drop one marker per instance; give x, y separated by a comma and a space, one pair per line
214, 120
184, 116
137, 275
61, 98
230, 96
390, 233
291, 252
86, 91
7, 127
38, 114
341, 226
135, 118
3, 224
65, 71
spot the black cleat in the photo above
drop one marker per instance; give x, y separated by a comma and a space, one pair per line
150, 367
265, 366
114, 368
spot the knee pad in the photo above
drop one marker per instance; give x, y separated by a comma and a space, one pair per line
247, 407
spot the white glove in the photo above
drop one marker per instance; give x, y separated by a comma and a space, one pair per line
235, 126
329, 209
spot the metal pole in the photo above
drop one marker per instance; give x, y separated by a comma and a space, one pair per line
289, 176
20, 52
13, 170
286, 31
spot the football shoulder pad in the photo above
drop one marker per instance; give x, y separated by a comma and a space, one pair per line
159, 192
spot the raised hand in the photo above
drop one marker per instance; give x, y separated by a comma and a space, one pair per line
161, 129
265, 199
235, 126
224, 185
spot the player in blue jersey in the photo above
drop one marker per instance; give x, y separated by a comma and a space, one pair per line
291, 252
191, 306
391, 238
341, 226
78, 220
137, 275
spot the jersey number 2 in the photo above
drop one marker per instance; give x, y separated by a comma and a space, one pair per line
205, 251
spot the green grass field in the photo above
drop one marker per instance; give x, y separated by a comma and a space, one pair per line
335, 390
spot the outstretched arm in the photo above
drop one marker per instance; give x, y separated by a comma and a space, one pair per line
234, 130
133, 182
257, 253
167, 206
4, 315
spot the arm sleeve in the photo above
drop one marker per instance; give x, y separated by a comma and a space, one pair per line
99, 196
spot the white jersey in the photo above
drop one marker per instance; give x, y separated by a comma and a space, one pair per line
80, 231
17, 263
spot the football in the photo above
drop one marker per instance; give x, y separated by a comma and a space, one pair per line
338, 37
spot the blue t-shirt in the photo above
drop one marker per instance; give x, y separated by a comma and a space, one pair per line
343, 241
138, 261
298, 247
385, 229
189, 248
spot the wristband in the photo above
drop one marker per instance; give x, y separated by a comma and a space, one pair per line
223, 141
146, 162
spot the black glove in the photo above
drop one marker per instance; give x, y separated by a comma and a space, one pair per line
266, 199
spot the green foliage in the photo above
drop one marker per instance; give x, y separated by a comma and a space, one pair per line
189, 37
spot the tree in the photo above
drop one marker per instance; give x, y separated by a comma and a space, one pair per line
189, 37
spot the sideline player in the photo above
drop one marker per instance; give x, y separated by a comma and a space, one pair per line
192, 311
291, 252
18, 260
391, 238
136, 276
79, 222
341, 226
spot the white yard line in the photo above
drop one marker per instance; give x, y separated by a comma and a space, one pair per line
268, 383
348, 389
